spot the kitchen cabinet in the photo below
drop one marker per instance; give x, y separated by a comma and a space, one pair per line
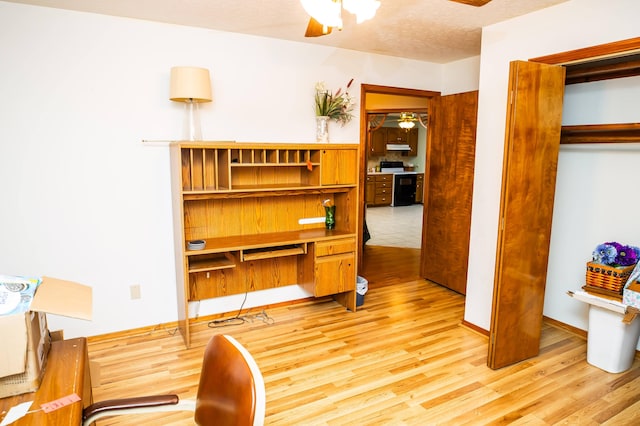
370, 190
382, 187
397, 135
379, 138
377, 142
412, 141
246, 202
404, 137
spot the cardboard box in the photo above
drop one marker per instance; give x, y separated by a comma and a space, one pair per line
31, 366
25, 336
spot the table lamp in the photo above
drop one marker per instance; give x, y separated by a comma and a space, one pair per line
191, 85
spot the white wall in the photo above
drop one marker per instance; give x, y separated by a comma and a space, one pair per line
84, 199
585, 214
461, 76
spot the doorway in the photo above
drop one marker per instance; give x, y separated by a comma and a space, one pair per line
448, 180
388, 101
397, 143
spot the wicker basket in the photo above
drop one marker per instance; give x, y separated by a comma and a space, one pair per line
609, 278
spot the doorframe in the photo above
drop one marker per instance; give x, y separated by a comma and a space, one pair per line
601, 62
431, 97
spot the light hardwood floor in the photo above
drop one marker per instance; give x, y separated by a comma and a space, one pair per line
402, 359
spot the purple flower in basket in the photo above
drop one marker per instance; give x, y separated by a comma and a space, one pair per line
605, 254
626, 256
615, 245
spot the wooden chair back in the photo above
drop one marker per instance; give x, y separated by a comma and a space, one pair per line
231, 389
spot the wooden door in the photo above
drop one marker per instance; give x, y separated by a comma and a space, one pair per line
448, 191
532, 141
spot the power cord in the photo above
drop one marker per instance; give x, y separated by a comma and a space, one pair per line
162, 327
241, 319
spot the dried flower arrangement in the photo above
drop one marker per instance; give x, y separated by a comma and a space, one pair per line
337, 106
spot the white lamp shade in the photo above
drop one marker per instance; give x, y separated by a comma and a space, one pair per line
190, 84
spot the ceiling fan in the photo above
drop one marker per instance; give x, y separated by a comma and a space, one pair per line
327, 14
476, 3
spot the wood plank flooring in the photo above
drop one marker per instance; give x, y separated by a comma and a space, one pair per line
402, 359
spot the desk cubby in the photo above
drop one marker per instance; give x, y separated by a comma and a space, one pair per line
247, 202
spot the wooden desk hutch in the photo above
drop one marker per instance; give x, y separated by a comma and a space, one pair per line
246, 201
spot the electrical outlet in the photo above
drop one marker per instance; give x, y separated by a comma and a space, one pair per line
135, 291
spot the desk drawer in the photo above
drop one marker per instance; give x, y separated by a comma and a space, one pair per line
343, 245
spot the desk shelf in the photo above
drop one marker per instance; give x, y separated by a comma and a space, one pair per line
249, 202
210, 262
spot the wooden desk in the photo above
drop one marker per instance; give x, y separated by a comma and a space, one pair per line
67, 372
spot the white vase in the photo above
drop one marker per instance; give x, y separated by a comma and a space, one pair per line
322, 129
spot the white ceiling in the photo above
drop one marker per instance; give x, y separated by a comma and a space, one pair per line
438, 31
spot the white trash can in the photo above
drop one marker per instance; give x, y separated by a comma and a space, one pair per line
611, 344
362, 286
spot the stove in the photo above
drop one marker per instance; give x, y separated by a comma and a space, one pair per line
404, 183
391, 167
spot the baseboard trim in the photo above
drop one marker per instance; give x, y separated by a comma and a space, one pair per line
571, 329
172, 327
474, 328
132, 332
205, 319
555, 323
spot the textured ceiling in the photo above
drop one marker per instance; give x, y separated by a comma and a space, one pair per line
438, 31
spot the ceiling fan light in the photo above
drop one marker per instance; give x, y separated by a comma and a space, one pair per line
363, 9
327, 12
407, 120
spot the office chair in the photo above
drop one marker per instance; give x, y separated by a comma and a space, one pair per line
231, 391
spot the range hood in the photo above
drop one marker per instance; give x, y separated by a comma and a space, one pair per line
398, 147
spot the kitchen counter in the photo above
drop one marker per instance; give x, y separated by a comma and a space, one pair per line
391, 173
